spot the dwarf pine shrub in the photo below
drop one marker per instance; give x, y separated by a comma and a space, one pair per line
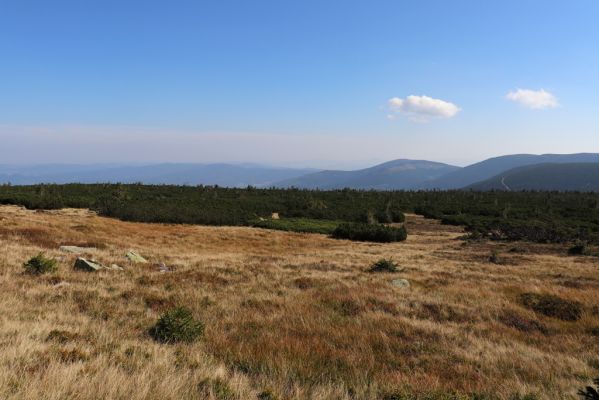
384, 265
177, 325
494, 257
370, 232
579, 249
40, 265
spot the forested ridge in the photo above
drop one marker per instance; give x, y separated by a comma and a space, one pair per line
537, 216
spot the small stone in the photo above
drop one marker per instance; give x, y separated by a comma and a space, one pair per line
87, 265
76, 249
401, 283
116, 267
135, 258
163, 268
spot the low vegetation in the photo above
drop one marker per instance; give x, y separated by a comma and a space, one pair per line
545, 217
552, 306
370, 232
40, 264
494, 257
305, 225
384, 265
177, 325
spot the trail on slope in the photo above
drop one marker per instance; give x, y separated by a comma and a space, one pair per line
505, 184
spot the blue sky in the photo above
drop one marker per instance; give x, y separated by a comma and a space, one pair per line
296, 82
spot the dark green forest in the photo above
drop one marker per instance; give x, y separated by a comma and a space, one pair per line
553, 217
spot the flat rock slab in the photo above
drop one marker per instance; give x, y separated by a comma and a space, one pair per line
76, 249
135, 258
87, 265
401, 283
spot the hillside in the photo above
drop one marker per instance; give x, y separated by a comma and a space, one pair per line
229, 175
562, 177
397, 174
493, 166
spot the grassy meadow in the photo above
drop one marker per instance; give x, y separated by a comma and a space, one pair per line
290, 315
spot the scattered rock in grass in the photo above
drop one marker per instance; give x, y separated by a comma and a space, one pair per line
162, 267
76, 249
116, 267
401, 283
135, 258
61, 285
87, 265
275, 216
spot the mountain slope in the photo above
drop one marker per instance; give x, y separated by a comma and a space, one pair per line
562, 177
493, 166
178, 174
397, 174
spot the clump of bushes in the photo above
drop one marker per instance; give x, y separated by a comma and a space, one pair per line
177, 325
384, 265
370, 232
552, 306
40, 264
494, 257
579, 249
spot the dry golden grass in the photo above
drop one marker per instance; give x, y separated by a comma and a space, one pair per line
294, 315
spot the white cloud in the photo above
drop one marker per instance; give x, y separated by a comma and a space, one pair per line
535, 99
421, 108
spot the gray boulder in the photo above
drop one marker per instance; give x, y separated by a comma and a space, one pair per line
87, 265
401, 283
135, 258
76, 249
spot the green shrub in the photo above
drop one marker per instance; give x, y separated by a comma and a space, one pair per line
579, 249
552, 306
384, 265
370, 232
177, 325
40, 265
494, 257
304, 225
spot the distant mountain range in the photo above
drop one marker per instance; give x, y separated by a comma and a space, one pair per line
571, 176
229, 175
493, 166
511, 172
397, 174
